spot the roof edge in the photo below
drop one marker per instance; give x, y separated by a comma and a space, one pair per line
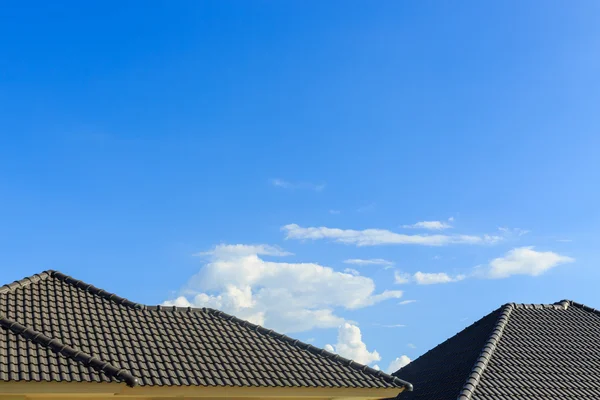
57, 346
294, 342
315, 350
486, 353
567, 303
9, 287
70, 281
96, 291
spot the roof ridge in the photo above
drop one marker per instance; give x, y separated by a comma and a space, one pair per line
486, 353
71, 281
433, 349
69, 352
581, 306
96, 291
312, 349
28, 280
294, 342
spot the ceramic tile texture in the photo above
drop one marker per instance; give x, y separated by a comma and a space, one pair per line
519, 351
56, 328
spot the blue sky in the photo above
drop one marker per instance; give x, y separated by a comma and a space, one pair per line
136, 135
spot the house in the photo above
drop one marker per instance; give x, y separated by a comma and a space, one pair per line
63, 338
519, 351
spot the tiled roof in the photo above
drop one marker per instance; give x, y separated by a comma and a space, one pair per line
56, 328
519, 351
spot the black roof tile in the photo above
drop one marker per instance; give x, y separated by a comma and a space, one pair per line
519, 351
56, 328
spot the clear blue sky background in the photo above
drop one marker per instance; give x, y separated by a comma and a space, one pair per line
136, 134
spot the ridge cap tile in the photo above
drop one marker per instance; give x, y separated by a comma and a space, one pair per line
486, 353
131, 344
313, 350
69, 352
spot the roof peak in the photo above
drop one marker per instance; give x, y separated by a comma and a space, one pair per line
559, 305
490, 345
50, 273
220, 314
9, 287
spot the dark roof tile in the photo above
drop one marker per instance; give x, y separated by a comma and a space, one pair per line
520, 351
58, 328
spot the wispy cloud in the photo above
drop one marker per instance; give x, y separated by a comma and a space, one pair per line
297, 185
426, 278
241, 250
351, 271
513, 231
390, 326
564, 240
402, 277
405, 302
376, 237
412, 346
430, 225
335, 212
371, 261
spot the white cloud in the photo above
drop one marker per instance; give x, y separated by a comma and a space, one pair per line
375, 237
412, 346
350, 345
525, 261
297, 185
398, 363
405, 302
401, 277
287, 297
431, 225
240, 250
334, 212
372, 261
564, 240
351, 271
424, 278
513, 231
518, 261
376, 367
391, 326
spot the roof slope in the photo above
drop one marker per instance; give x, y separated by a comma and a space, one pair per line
519, 351
56, 328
